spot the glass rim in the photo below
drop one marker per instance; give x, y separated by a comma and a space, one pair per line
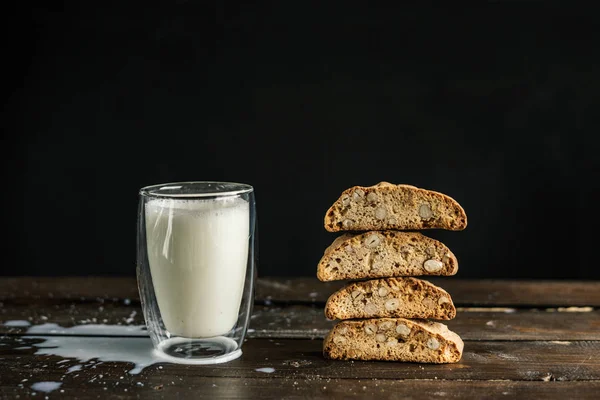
212, 189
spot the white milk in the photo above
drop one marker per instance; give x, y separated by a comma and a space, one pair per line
198, 251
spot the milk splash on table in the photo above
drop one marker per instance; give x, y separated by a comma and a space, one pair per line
92, 344
198, 253
125, 343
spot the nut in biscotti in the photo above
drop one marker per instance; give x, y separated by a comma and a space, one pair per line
412, 298
401, 340
377, 254
433, 265
386, 206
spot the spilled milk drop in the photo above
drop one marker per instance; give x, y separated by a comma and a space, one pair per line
74, 368
17, 323
89, 329
46, 387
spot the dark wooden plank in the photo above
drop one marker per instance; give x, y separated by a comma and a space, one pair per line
310, 290
309, 322
70, 314
464, 292
539, 293
306, 322
164, 386
471, 324
302, 359
30, 289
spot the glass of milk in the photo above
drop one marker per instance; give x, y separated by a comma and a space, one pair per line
196, 268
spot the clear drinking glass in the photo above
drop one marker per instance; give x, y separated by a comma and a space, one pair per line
196, 267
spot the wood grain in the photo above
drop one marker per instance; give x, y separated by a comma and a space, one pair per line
310, 290
304, 322
308, 322
464, 292
166, 386
81, 289
522, 340
302, 359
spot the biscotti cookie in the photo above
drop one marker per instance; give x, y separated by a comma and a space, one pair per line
386, 206
390, 297
377, 254
393, 339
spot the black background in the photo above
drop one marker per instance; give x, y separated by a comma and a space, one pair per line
495, 105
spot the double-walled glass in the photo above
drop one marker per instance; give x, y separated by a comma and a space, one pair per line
196, 268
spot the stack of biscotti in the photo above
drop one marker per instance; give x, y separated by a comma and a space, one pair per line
386, 313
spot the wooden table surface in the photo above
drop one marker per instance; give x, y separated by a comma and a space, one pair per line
523, 339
